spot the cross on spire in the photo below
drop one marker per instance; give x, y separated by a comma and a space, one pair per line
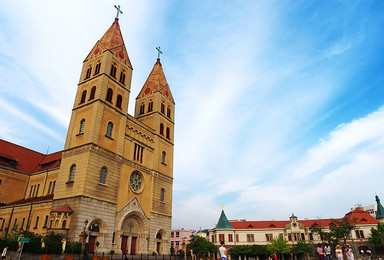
159, 52
118, 11
222, 207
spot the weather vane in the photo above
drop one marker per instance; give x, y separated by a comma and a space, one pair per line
159, 52
118, 11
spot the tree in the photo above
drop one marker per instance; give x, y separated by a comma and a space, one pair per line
339, 229
200, 245
53, 243
34, 245
301, 248
377, 235
279, 246
247, 250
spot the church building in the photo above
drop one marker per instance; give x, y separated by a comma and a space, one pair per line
114, 177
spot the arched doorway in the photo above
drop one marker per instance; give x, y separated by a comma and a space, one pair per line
160, 238
133, 234
97, 230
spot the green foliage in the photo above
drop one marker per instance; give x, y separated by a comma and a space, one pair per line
279, 246
249, 250
112, 252
340, 229
73, 248
53, 243
377, 235
301, 248
13, 245
34, 245
201, 245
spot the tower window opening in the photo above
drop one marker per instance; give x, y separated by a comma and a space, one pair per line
163, 155
113, 70
72, 172
83, 96
109, 130
109, 95
122, 77
150, 106
119, 101
161, 129
89, 71
93, 92
103, 175
138, 153
167, 133
142, 109
162, 194
168, 112
97, 69
82, 125
162, 108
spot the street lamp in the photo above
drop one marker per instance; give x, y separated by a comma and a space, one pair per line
83, 237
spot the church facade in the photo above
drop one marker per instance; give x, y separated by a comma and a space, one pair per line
114, 177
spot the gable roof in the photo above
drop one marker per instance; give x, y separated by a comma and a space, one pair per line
26, 160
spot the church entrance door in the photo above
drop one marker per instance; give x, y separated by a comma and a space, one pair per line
124, 240
91, 244
133, 245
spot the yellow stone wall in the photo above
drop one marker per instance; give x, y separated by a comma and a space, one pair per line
13, 185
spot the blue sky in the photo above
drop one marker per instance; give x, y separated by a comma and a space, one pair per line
279, 104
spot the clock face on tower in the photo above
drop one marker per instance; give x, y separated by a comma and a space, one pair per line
136, 181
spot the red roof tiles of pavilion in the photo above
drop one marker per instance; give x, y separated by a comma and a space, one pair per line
362, 217
64, 208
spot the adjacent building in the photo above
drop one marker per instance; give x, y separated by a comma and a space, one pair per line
180, 238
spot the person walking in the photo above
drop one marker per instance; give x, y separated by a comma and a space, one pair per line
339, 253
320, 251
4, 254
327, 250
349, 253
223, 251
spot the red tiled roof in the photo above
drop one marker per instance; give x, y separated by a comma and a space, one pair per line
64, 208
25, 160
30, 200
362, 217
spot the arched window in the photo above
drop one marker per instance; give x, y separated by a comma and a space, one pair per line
142, 108
97, 69
37, 191
37, 222
103, 175
1, 181
93, 92
113, 70
162, 108
168, 112
83, 96
119, 100
168, 133
82, 125
162, 194
72, 172
150, 106
50, 223
109, 95
109, 129
163, 154
30, 191
49, 189
22, 224
89, 71
45, 222
64, 224
122, 77
15, 224
53, 187
56, 223
161, 129
34, 191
